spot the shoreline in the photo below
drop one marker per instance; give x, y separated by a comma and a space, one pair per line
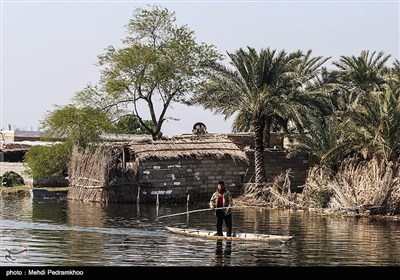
61, 192
27, 190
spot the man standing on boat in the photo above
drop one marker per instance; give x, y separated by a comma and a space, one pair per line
222, 198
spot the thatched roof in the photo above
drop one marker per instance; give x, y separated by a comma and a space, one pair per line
13, 147
22, 146
217, 147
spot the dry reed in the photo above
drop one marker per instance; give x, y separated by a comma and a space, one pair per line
101, 175
371, 187
275, 194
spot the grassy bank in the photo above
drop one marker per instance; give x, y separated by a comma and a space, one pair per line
15, 191
26, 190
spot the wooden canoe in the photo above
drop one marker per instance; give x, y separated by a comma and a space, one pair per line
235, 235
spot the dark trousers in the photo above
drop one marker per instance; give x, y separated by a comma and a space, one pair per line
221, 217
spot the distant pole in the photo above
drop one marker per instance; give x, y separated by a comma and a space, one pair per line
138, 195
157, 200
157, 206
187, 200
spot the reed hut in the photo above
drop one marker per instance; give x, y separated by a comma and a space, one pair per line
169, 170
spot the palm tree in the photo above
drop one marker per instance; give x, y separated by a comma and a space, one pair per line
361, 75
320, 140
373, 129
265, 89
394, 72
396, 67
365, 100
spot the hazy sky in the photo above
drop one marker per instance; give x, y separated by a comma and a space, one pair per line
49, 48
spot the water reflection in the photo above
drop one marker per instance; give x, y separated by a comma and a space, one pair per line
223, 253
61, 232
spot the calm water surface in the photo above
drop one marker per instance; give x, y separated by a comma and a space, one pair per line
70, 233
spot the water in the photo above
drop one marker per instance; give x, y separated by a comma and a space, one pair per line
71, 233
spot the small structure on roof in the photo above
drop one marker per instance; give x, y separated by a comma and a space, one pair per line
199, 128
147, 169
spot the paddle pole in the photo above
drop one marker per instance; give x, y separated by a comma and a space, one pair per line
201, 210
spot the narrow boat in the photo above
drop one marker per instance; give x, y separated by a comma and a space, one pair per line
235, 235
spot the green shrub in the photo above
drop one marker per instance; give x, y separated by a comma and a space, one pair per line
45, 162
11, 179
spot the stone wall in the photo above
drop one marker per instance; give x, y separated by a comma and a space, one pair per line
174, 179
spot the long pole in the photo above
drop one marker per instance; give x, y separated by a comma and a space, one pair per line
201, 210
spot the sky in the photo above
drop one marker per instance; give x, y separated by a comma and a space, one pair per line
49, 48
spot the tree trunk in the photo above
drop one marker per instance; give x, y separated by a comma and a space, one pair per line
260, 177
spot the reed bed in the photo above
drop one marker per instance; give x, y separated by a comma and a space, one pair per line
370, 187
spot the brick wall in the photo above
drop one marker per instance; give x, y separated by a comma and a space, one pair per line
243, 140
276, 162
174, 179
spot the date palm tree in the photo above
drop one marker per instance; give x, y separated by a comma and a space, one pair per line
265, 90
365, 99
373, 129
362, 74
395, 71
320, 140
